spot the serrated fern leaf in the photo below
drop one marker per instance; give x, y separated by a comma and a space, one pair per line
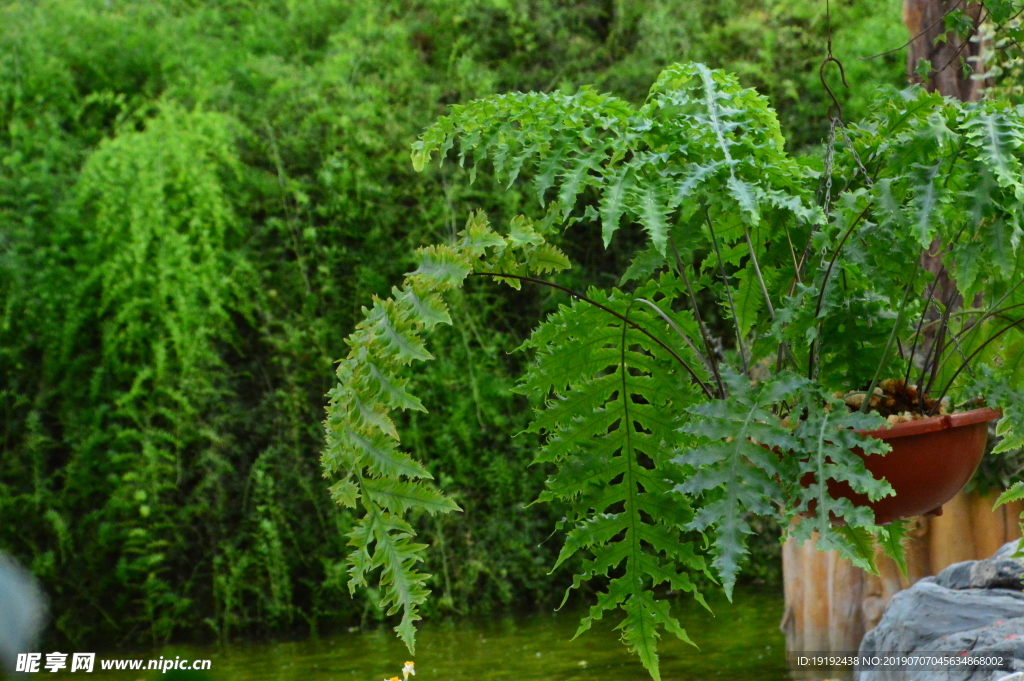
749, 465
362, 443
860, 543
828, 433
1014, 493
927, 195
891, 538
404, 586
613, 200
653, 219
735, 468
609, 429
698, 132
997, 135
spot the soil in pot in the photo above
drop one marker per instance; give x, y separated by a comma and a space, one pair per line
932, 457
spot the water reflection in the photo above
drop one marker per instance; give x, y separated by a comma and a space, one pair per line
741, 643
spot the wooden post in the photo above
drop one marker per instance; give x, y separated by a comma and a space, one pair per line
830, 604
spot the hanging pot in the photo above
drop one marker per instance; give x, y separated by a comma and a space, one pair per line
931, 460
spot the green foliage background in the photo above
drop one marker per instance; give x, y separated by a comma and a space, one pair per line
196, 200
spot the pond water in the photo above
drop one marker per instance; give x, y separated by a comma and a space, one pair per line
741, 642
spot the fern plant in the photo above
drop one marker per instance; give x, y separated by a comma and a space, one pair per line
661, 425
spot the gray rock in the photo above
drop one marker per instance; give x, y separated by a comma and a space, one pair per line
964, 609
1006, 550
22, 610
994, 573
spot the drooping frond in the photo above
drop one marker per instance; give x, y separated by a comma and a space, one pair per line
701, 168
753, 462
611, 423
827, 435
700, 137
362, 447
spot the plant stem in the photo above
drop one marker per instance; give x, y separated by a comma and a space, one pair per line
582, 298
757, 271
824, 285
968, 360
960, 351
835, 255
939, 342
955, 338
938, 346
985, 315
700, 322
792, 254
888, 344
917, 334
783, 347
991, 312
728, 290
686, 339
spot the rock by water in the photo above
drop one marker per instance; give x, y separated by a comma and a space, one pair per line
975, 607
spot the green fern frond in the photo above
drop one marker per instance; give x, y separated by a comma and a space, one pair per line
827, 432
1014, 493
997, 134
362, 444
748, 466
1004, 390
891, 538
698, 133
739, 469
610, 429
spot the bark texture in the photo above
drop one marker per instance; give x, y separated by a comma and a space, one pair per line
924, 22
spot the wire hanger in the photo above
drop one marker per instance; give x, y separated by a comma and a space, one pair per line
831, 59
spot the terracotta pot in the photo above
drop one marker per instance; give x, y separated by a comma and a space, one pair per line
931, 460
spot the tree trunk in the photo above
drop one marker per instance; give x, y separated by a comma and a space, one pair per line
924, 22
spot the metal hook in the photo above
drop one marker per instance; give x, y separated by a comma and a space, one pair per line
824, 83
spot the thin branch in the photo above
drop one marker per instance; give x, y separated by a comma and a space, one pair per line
783, 347
705, 336
679, 332
939, 344
968, 360
835, 255
965, 43
824, 285
888, 345
757, 271
991, 313
728, 290
978, 310
792, 254
923, 31
582, 298
958, 51
955, 338
960, 351
920, 327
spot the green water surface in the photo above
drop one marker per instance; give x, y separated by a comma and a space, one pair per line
740, 642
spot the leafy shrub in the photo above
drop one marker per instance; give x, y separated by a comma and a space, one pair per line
196, 200
651, 433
